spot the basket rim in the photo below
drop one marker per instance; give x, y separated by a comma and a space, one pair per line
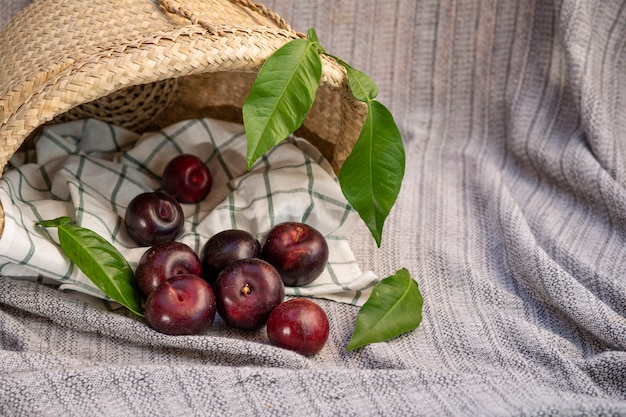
42, 94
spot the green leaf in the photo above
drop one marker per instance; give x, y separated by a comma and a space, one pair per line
279, 100
393, 308
371, 175
281, 96
99, 260
312, 37
361, 85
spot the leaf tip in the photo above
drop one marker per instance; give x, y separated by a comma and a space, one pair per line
250, 160
352, 346
59, 221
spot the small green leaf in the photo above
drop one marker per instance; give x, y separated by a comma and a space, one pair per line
361, 85
371, 175
99, 260
393, 308
281, 96
312, 37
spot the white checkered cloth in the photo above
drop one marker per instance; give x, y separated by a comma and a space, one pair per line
90, 170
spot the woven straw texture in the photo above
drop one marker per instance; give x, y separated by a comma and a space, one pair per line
146, 64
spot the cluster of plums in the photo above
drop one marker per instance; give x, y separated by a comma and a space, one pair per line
234, 275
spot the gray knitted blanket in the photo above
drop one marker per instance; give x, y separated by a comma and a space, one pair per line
512, 218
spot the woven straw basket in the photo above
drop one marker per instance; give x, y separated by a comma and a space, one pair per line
145, 64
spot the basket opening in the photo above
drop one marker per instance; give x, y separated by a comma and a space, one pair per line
217, 95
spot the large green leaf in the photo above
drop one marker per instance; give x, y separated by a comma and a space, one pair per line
393, 308
101, 262
281, 96
371, 176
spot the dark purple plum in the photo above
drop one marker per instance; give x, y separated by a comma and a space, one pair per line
154, 217
182, 305
187, 178
300, 325
246, 291
163, 261
226, 247
299, 252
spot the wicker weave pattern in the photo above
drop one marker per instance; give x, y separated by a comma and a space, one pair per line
118, 60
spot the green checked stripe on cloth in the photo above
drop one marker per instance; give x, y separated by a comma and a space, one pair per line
90, 170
